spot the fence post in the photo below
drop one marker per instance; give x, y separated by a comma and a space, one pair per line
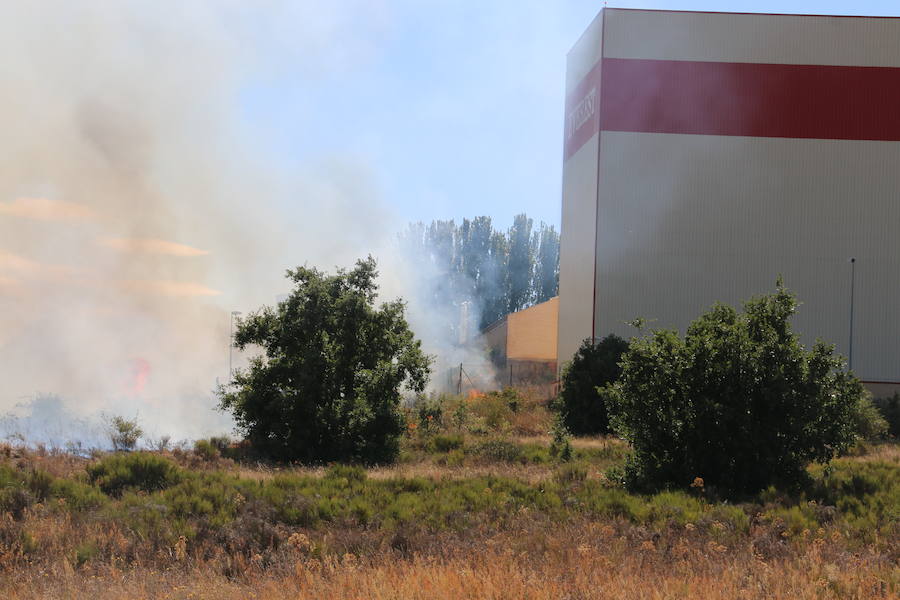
459, 384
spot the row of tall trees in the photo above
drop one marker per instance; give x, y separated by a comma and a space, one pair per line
497, 271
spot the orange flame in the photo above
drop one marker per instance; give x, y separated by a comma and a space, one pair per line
140, 373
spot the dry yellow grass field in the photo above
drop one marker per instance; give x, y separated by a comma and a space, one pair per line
587, 561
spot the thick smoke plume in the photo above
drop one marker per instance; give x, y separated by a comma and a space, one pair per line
136, 212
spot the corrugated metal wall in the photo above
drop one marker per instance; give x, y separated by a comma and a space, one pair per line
685, 220
577, 244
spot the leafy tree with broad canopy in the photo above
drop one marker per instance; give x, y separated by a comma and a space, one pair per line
328, 384
737, 401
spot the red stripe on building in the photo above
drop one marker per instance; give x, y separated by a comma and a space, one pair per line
750, 99
752, 14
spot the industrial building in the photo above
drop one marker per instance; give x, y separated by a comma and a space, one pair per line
522, 345
705, 154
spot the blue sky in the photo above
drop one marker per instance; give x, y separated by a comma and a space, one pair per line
455, 107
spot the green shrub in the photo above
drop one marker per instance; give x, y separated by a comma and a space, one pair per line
40, 483
455, 458
737, 401
27, 543
327, 386
560, 447
206, 450
511, 397
348, 473
445, 443
15, 500
868, 420
865, 493
460, 414
77, 495
85, 552
570, 473
431, 414
220, 442
593, 366
499, 450
494, 409
890, 412
123, 433
142, 470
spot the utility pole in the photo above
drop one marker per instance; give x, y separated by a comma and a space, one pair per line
852, 294
234, 314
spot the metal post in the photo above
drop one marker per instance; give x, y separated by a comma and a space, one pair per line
234, 314
852, 294
459, 384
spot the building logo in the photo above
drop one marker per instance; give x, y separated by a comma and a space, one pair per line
581, 114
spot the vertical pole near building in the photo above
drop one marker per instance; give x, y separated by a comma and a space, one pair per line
234, 314
852, 294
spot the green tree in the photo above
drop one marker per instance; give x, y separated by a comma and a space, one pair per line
546, 265
493, 299
521, 264
123, 433
594, 366
328, 384
497, 272
737, 401
475, 247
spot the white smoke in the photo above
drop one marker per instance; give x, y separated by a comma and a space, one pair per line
136, 212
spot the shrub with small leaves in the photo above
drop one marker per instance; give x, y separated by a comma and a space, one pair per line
868, 421
501, 450
141, 470
560, 446
327, 385
123, 433
737, 401
570, 473
431, 414
890, 412
206, 450
593, 366
445, 443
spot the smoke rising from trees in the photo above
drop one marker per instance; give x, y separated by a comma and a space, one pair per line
497, 272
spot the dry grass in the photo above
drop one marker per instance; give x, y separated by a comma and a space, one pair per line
531, 473
584, 560
887, 452
429, 467
52, 551
600, 442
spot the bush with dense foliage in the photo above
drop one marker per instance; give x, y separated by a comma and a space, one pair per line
593, 366
869, 422
737, 401
139, 471
327, 387
890, 412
